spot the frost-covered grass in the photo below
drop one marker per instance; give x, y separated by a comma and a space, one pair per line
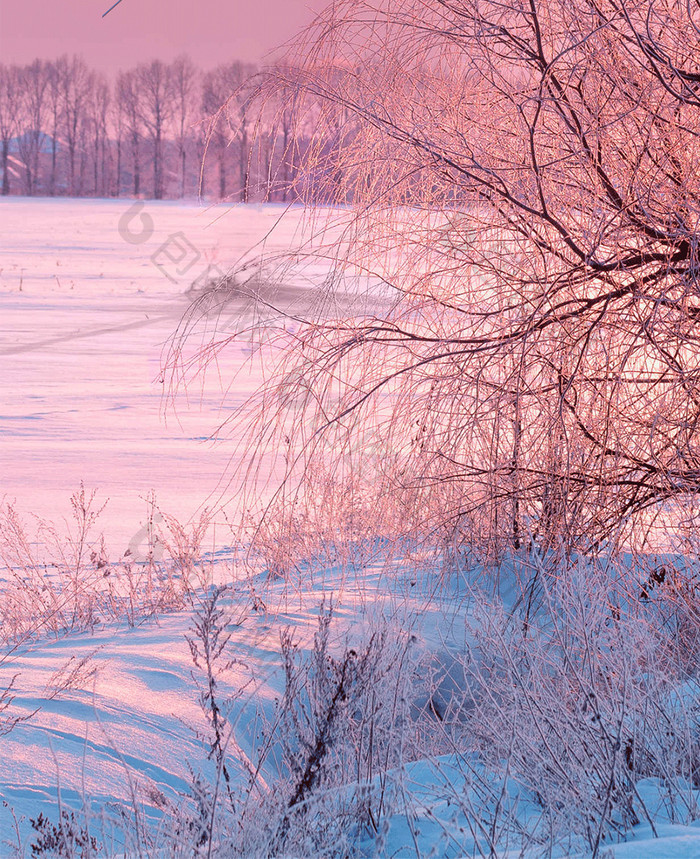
363, 711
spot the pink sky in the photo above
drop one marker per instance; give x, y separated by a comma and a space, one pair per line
210, 31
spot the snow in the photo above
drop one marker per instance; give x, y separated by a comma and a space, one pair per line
85, 316
131, 723
84, 319
673, 842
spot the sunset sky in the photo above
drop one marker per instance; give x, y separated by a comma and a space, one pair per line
210, 31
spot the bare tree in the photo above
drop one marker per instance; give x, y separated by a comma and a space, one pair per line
77, 85
284, 124
240, 110
156, 95
97, 112
128, 96
116, 125
226, 96
56, 71
9, 117
217, 138
33, 83
522, 180
64, 121
185, 81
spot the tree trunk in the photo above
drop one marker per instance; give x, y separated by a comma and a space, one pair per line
5, 165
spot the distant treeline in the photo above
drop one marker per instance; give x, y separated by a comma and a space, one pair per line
160, 130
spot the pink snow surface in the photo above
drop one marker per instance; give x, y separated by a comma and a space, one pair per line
91, 293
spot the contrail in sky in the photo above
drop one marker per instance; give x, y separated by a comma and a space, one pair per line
114, 5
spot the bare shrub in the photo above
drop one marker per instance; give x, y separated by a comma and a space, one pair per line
68, 838
58, 581
576, 705
317, 779
340, 734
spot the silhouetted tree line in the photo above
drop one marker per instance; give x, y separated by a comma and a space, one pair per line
161, 130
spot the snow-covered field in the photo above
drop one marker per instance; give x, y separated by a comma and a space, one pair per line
85, 316
90, 294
